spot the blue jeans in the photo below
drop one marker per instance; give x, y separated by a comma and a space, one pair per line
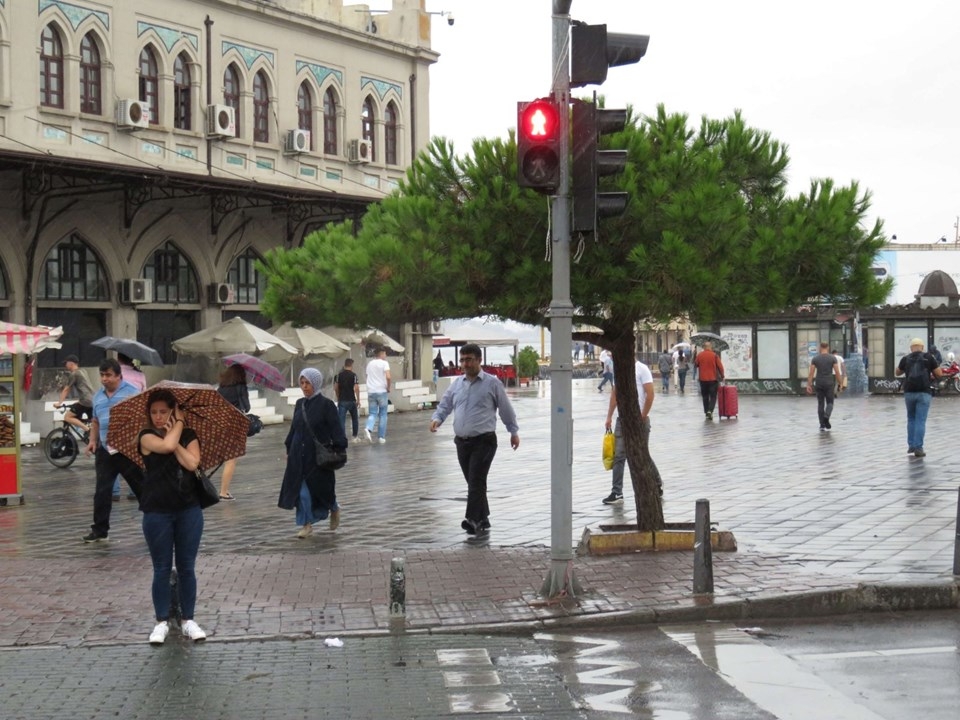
168, 535
377, 405
918, 405
349, 406
607, 378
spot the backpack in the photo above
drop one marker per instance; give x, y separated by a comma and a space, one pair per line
918, 374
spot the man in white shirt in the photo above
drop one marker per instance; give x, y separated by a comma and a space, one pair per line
378, 393
645, 396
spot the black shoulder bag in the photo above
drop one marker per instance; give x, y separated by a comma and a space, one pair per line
328, 457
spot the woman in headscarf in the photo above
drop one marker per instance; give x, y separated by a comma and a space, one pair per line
307, 488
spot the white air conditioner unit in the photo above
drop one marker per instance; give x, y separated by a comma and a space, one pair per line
435, 326
221, 294
221, 121
359, 151
134, 291
132, 114
297, 141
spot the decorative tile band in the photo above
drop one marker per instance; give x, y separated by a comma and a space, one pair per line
170, 36
320, 72
74, 13
382, 87
248, 54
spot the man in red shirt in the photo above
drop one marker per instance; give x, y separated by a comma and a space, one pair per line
710, 372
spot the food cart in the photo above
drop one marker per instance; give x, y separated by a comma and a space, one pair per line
15, 342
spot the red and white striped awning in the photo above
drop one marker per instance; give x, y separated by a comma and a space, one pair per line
26, 339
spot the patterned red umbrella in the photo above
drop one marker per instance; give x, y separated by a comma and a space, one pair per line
220, 427
258, 371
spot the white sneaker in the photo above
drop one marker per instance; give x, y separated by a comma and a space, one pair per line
367, 435
193, 631
305, 531
356, 440
382, 441
160, 633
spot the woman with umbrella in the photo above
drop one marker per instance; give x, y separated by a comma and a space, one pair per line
309, 489
172, 518
233, 387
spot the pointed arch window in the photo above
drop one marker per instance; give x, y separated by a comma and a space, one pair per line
182, 115
150, 83
305, 110
330, 122
231, 95
51, 68
72, 271
91, 91
249, 285
390, 134
366, 126
261, 108
174, 280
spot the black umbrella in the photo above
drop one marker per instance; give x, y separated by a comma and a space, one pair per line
719, 344
131, 348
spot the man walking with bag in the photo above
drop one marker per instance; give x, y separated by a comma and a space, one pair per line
918, 367
710, 371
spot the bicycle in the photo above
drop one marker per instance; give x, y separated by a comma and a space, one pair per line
62, 445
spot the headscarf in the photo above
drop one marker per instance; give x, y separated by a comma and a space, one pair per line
314, 377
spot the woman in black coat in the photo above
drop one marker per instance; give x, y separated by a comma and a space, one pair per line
307, 488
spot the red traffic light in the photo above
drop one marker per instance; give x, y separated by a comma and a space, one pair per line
539, 121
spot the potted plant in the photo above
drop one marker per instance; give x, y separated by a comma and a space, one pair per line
527, 364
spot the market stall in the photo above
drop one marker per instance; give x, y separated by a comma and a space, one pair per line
15, 342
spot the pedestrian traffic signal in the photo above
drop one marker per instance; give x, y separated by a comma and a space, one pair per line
538, 145
593, 50
590, 164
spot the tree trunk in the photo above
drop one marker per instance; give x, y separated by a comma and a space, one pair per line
636, 435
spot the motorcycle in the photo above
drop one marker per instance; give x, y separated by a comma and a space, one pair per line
949, 378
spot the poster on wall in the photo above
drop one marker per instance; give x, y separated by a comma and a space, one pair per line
738, 359
947, 341
901, 340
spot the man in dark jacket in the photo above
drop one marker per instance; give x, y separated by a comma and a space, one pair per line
918, 366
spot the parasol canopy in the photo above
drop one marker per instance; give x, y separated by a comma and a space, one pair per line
364, 336
719, 344
220, 427
680, 346
131, 348
26, 339
310, 341
235, 336
258, 370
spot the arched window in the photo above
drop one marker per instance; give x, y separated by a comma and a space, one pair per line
51, 68
90, 90
174, 280
231, 95
73, 272
305, 110
366, 126
150, 83
261, 108
249, 285
330, 122
182, 116
390, 134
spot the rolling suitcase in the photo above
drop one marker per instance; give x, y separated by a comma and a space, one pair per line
728, 404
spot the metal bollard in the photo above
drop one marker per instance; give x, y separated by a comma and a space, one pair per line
702, 550
956, 541
398, 588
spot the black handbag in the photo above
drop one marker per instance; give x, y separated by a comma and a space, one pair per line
328, 457
207, 494
256, 425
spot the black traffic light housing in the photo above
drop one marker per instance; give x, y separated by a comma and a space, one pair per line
593, 50
590, 164
538, 145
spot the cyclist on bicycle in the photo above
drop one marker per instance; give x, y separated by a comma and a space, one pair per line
77, 381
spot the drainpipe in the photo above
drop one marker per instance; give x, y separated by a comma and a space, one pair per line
208, 24
413, 117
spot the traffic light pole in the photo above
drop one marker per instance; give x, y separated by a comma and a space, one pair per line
560, 581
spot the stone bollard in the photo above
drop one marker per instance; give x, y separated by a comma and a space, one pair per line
956, 541
702, 550
398, 589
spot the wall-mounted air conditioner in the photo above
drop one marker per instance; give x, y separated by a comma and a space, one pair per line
359, 151
134, 291
221, 121
297, 141
221, 294
132, 114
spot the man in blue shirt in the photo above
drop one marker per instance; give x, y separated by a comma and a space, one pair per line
107, 461
476, 397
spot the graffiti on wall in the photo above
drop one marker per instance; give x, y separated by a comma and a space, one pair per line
764, 387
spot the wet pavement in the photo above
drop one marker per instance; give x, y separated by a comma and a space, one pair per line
812, 512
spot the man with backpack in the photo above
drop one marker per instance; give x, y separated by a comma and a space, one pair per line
918, 367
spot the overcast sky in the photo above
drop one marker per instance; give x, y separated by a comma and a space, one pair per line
859, 90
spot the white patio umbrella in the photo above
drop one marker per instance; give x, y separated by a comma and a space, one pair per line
364, 336
235, 336
310, 341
